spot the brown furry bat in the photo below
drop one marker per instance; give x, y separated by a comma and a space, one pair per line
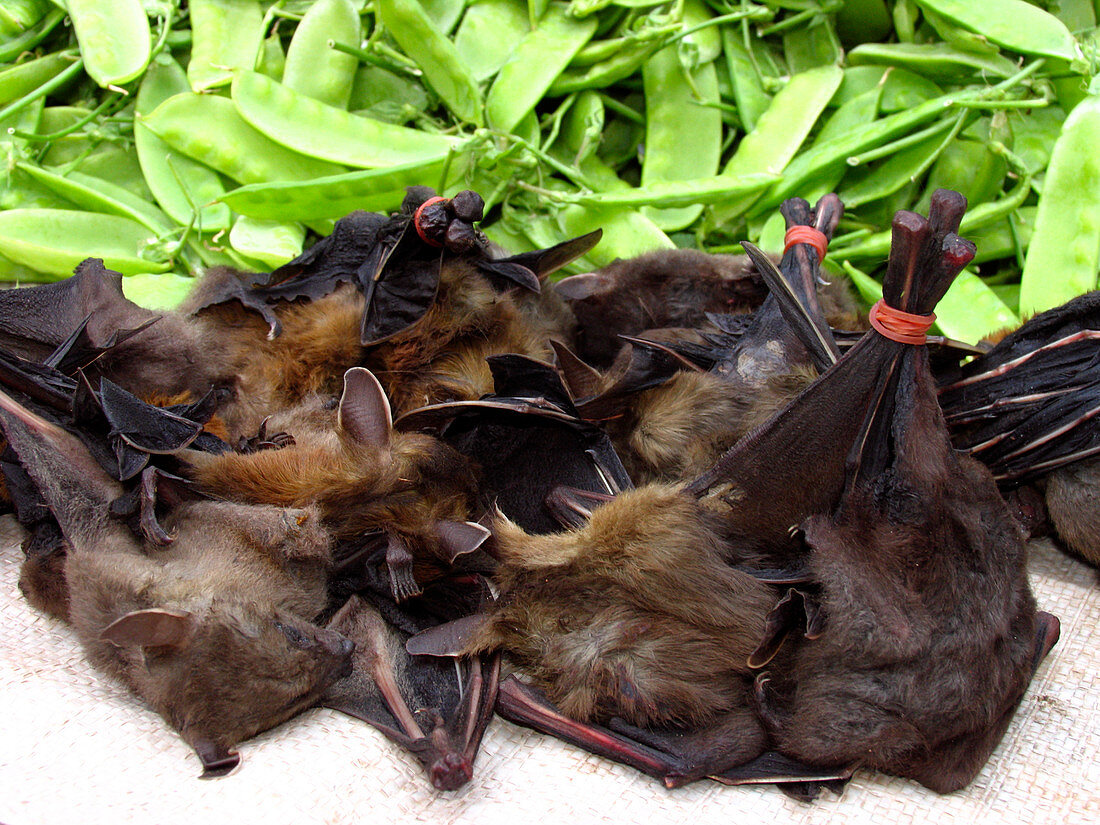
591, 614
410, 491
214, 631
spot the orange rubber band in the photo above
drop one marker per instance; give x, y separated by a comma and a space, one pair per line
806, 234
416, 220
903, 327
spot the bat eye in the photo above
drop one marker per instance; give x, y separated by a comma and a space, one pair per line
295, 636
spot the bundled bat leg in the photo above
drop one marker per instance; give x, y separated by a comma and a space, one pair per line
213, 631
930, 634
437, 709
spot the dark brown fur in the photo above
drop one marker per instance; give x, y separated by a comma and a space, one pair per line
214, 631
635, 615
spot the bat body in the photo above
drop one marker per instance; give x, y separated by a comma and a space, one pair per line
214, 631
410, 492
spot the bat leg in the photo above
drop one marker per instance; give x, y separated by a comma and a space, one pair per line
796, 610
262, 441
572, 507
525, 705
150, 526
399, 562
798, 780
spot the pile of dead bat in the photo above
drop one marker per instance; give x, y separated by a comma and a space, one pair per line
720, 549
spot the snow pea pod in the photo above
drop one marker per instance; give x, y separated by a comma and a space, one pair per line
1064, 254
708, 190
98, 195
376, 190
272, 243
683, 139
319, 130
413, 30
939, 61
226, 35
488, 33
23, 78
1014, 24
312, 68
178, 183
534, 64
114, 38
209, 129
780, 131
12, 47
54, 241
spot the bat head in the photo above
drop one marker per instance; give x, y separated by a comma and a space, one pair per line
226, 674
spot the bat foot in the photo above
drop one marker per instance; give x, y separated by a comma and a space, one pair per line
450, 772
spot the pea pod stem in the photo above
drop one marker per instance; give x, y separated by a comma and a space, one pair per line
887, 149
108, 102
58, 80
1031, 103
365, 56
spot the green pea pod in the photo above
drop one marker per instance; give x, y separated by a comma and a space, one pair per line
780, 131
801, 172
808, 47
939, 61
12, 47
444, 14
1006, 238
971, 310
312, 68
583, 126
858, 111
411, 27
902, 167
272, 243
114, 38
534, 64
382, 95
178, 183
683, 138
117, 164
321, 131
209, 129
969, 167
901, 89
97, 195
54, 241
226, 35
272, 60
23, 78
488, 33
16, 16
604, 73
1014, 24
747, 88
376, 190
1064, 254
627, 233
959, 37
715, 189
859, 21
158, 292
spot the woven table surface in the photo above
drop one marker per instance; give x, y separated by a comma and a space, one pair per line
75, 747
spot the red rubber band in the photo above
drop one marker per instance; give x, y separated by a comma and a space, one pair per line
416, 220
903, 327
806, 234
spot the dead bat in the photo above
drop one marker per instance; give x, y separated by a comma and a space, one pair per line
930, 633
437, 709
678, 428
407, 492
634, 618
214, 631
660, 289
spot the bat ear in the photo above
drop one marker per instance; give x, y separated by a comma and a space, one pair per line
364, 409
154, 627
447, 639
457, 538
581, 380
585, 285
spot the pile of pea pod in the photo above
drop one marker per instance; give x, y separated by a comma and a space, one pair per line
167, 136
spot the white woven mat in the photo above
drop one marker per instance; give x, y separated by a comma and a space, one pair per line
76, 748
